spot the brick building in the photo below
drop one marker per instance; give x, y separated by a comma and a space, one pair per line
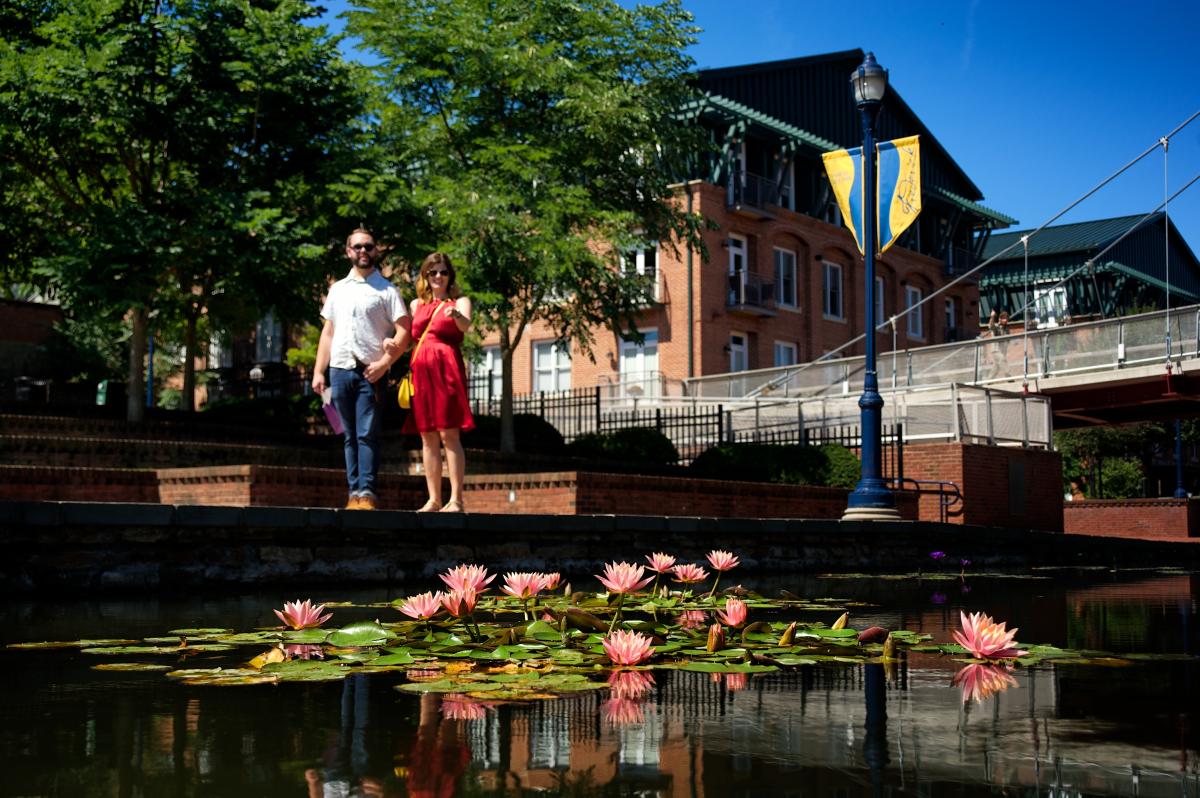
783, 280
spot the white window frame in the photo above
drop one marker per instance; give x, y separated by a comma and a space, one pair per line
638, 366
786, 353
558, 373
915, 326
951, 314
787, 189
268, 339
492, 366
645, 262
832, 295
739, 345
1049, 302
782, 267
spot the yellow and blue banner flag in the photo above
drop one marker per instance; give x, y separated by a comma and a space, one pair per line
898, 188
845, 175
899, 182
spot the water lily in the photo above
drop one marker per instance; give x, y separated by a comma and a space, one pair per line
691, 619
734, 613
627, 648
721, 561
459, 603
302, 614
623, 577
468, 577
551, 580
937, 555
979, 681
630, 684
689, 574
524, 585
423, 606
716, 638
985, 638
660, 563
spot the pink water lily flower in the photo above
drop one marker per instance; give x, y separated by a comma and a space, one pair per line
627, 648
979, 681
302, 614
660, 563
985, 638
734, 613
630, 684
551, 581
623, 577
468, 577
459, 603
458, 707
423, 606
689, 574
304, 651
523, 585
722, 560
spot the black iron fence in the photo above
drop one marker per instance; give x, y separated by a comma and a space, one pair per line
848, 435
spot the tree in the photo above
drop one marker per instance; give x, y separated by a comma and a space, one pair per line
173, 157
544, 138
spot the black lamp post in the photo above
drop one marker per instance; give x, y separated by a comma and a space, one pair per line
871, 500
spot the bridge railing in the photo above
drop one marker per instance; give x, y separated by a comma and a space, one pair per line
1053, 351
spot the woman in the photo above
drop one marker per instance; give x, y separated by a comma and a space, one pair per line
441, 409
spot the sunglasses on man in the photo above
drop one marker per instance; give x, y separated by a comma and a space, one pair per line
363, 247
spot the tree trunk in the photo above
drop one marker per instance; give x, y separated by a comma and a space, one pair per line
189, 366
135, 405
508, 438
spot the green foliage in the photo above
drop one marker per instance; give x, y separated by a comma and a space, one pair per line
305, 355
794, 465
534, 434
631, 444
543, 138
1110, 462
1123, 478
278, 413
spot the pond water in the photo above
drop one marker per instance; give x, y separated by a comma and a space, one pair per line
1116, 726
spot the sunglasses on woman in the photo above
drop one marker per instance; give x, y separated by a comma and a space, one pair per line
438, 273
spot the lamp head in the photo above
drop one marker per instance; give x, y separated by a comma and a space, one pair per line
869, 81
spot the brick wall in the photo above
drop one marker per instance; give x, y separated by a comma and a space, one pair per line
1162, 519
1001, 486
25, 327
50, 483
586, 493
253, 485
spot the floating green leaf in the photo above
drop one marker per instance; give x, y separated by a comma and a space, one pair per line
358, 635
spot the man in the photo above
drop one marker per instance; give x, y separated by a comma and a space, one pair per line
366, 329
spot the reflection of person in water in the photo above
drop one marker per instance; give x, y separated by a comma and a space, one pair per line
439, 757
347, 765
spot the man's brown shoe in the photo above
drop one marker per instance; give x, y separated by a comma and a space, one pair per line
355, 503
367, 503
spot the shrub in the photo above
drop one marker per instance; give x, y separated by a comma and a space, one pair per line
831, 465
844, 467
277, 413
631, 444
534, 434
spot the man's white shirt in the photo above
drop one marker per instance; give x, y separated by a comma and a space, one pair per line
364, 312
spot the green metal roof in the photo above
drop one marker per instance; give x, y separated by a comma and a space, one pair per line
748, 114
1011, 274
974, 207
1081, 237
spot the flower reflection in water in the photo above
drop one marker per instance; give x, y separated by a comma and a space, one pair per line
692, 619
980, 681
304, 651
630, 684
622, 711
736, 681
458, 707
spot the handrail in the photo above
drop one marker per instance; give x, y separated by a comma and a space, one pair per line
948, 499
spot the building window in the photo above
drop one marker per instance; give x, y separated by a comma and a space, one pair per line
785, 278
785, 353
833, 291
1051, 304
880, 304
739, 358
487, 373
787, 188
912, 298
951, 319
268, 340
220, 351
644, 262
551, 366
737, 269
638, 366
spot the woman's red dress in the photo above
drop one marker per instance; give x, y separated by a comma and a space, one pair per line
440, 399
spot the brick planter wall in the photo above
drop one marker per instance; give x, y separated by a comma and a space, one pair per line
254, 485
1001, 486
50, 483
585, 493
1153, 519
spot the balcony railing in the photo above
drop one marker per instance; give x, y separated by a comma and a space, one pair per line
959, 261
749, 190
750, 292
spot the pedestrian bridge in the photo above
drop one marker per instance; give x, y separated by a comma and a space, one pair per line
1012, 388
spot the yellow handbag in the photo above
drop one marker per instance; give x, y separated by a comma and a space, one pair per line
404, 393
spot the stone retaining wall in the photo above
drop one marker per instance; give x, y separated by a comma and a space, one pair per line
1152, 519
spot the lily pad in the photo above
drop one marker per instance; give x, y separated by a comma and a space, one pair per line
130, 666
222, 677
362, 634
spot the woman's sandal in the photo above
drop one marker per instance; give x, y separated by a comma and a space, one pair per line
431, 506
453, 507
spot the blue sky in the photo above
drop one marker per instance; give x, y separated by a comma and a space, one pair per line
1037, 101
